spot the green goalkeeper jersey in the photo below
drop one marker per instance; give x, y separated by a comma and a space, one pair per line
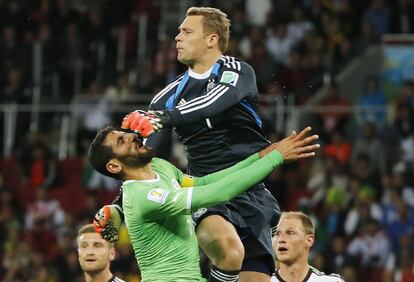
158, 213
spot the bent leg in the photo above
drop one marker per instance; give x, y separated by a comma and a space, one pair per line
220, 242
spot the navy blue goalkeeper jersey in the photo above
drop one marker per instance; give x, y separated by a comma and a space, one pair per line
215, 115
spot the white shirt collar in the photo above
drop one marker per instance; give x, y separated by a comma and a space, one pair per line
200, 75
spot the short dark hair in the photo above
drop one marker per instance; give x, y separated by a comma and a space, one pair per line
99, 155
89, 228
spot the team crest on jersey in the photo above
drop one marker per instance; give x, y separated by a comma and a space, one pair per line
211, 84
200, 212
157, 195
175, 184
229, 77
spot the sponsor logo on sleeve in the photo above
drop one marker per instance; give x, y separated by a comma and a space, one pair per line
229, 77
199, 212
157, 195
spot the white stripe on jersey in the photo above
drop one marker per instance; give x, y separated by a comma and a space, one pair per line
205, 98
315, 276
233, 65
227, 59
166, 89
159, 95
189, 198
116, 279
209, 123
218, 95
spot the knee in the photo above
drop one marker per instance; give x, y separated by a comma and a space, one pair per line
226, 252
233, 255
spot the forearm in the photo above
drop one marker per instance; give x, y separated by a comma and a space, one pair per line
235, 183
161, 143
213, 177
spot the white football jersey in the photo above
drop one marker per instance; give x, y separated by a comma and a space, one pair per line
313, 275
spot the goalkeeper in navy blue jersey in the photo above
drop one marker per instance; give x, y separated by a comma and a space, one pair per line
213, 108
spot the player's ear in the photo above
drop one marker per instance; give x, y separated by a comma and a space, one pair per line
212, 40
114, 166
310, 239
112, 252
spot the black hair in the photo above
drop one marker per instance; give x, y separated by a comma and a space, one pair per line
99, 155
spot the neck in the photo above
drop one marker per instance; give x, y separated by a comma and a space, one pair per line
205, 62
98, 277
295, 272
142, 173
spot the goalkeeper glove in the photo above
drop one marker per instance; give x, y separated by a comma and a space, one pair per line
107, 222
145, 123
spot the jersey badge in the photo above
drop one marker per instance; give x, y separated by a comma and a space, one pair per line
229, 77
157, 195
210, 84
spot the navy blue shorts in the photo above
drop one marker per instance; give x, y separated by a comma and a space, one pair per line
252, 213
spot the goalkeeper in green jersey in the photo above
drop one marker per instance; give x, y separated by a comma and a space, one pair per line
158, 212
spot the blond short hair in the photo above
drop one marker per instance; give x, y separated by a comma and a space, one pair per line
214, 21
307, 224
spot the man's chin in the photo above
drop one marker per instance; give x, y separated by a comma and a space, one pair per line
185, 61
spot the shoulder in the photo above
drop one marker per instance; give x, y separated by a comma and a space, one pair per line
234, 64
317, 275
165, 92
158, 162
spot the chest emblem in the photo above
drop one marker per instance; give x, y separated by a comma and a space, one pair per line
158, 195
210, 84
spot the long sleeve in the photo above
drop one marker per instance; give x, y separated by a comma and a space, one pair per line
236, 82
160, 142
227, 187
213, 177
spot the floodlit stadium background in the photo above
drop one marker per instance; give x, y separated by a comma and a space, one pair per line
344, 67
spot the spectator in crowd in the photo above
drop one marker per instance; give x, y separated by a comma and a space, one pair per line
402, 17
372, 248
37, 162
372, 98
371, 145
335, 117
365, 209
338, 256
378, 17
44, 210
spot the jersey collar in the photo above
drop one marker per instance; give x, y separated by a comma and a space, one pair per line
304, 279
157, 178
200, 75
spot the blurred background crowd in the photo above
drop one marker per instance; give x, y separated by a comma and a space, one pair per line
70, 67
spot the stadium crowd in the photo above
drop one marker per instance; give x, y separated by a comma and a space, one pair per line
359, 191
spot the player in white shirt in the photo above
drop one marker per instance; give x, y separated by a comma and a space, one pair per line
294, 236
